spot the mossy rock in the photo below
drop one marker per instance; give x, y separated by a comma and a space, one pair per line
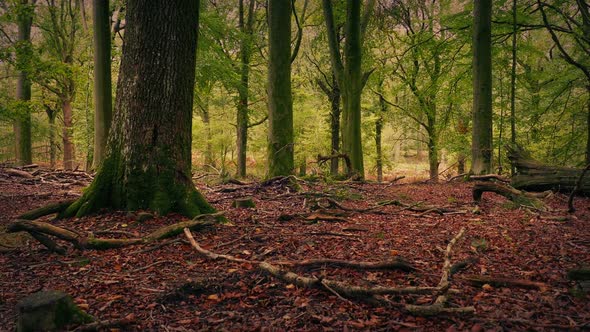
244, 203
49, 311
144, 216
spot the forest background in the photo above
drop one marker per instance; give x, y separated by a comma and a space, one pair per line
416, 104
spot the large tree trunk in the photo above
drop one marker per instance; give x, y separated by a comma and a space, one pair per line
148, 159
280, 104
532, 175
22, 125
102, 78
352, 86
481, 144
68, 145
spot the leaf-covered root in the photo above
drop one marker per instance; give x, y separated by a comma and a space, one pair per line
46, 210
522, 198
42, 231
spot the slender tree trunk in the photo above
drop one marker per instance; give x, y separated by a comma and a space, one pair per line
481, 148
207, 122
22, 125
89, 130
243, 90
432, 147
513, 84
335, 125
588, 125
379, 161
68, 145
280, 105
148, 159
102, 78
51, 114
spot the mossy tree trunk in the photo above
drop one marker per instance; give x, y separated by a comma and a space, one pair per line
351, 80
481, 143
102, 78
22, 125
148, 159
280, 103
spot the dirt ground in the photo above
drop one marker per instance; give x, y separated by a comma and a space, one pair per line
174, 288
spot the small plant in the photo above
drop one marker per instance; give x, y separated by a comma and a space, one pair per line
479, 245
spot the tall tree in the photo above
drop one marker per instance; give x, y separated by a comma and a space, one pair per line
351, 80
481, 143
246, 29
148, 158
513, 84
22, 125
280, 102
102, 78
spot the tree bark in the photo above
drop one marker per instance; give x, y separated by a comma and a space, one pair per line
513, 83
102, 78
280, 104
148, 158
481, 148
379, 159
51, 114
22, 125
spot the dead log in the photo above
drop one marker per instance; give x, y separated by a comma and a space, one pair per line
505, 282
517, 196
533, 175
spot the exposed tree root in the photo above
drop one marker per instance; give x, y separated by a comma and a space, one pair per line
519, 197
105, 324
570, 201
46, 210
41, 231
344, 290
506, 282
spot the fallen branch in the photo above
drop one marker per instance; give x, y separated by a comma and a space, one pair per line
439, 305
341, 288
105, 324
16, 172
396, 264
505, 282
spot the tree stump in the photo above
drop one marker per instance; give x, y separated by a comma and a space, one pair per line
49, 311
246, 202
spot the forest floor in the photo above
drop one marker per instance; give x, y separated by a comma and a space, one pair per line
174, 288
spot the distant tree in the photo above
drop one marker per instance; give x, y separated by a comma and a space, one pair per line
569, 28
347, 69
481, 143
148, 159
60, 25
22, 125
102, 78
280, 102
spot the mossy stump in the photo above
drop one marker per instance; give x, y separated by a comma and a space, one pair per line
144, 216
245, 202
49, 311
